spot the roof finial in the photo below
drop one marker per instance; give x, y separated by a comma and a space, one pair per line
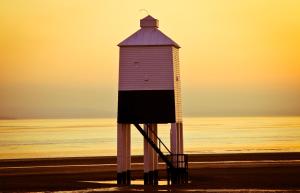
144, 10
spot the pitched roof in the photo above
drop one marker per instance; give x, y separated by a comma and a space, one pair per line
148, 35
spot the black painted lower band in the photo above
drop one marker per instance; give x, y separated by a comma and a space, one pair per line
124, 178
119, 178
151, 178
146, 106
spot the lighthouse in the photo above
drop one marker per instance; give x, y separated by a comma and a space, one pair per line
149, 94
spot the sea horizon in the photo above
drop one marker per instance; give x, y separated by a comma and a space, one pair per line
114, 117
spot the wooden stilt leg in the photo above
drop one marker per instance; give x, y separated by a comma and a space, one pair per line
146, 157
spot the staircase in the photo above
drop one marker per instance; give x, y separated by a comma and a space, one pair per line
177, 164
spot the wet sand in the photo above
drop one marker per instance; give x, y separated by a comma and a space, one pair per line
255, 172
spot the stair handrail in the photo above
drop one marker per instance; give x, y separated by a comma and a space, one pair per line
154, 146
172, 169
167, 158
161, 142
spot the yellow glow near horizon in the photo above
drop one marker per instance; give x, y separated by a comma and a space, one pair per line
233, 45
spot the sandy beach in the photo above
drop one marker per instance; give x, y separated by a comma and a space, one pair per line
254, 172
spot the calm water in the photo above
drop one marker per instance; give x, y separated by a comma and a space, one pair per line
97, 137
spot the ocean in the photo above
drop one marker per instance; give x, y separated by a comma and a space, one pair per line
44, 138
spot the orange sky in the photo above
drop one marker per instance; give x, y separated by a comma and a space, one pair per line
58, 58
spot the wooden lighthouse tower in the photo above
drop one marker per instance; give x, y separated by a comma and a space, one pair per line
150, 94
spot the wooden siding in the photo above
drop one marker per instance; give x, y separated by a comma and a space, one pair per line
146, 68
177, 81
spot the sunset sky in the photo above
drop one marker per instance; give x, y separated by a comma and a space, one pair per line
59, 58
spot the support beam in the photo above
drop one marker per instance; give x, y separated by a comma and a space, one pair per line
128, 154
176, 137
146, 156
120, 153
123, 154
150, 156
155, 157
